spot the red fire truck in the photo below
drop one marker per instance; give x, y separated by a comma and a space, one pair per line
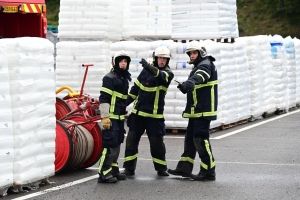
21, 18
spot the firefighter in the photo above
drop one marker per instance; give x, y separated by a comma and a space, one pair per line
113, 95
201, 107
149, 92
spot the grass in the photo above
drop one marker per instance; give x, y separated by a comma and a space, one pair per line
255, 17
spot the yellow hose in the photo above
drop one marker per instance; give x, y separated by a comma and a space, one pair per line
71, 92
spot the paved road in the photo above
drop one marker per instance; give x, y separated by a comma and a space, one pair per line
258, 160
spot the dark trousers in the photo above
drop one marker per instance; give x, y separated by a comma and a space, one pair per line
155, 129
197, 140
111, 142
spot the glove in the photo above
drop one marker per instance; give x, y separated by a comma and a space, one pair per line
151, 69
106, 123
144, 63
179, 86
188, 85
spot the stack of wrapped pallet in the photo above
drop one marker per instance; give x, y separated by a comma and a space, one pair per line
31, 85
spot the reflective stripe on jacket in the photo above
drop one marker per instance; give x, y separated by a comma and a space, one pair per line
149, 92
203, 100
114, 91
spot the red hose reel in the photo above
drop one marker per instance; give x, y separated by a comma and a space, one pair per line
78, 135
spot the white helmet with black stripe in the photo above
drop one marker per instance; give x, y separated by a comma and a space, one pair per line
120, 55
161, 51
196, 46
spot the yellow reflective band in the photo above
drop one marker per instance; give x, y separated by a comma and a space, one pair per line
195, 98
157, 73
130, 158
112, 104
133, 96
155, 107
120, 95
144, 114
211, 83
104, 89
201, 77
150, 89
196, 115
204, 165
213, 164
167, 76
212, 94
187, 159
199, 70
107, 171
161, 162
101, 161
118, 117
114, 165
209, 152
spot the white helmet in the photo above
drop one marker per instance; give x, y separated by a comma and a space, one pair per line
162, 51
196, 46
121, 54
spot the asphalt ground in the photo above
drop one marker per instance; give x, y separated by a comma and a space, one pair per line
256, 160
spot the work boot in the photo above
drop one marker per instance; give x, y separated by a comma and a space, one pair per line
204, 175
176, 172
120, 176
129, 172
109, 180
162, 173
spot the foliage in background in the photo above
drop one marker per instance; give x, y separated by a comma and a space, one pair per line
255, 17
52, 11
268, 17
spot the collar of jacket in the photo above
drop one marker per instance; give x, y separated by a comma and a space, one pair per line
122, 74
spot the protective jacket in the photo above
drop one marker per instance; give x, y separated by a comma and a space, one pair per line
114, 91
203, 100
149, 92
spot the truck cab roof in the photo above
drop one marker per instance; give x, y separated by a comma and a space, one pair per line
22, 1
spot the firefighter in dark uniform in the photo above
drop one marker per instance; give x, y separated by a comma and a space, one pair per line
148, 94
201, 107
113, 95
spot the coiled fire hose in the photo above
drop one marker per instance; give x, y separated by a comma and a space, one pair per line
82, 144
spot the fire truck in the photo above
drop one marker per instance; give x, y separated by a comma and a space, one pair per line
21, 18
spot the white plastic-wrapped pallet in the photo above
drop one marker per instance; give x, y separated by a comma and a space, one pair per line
297, 60
265, 62
69, 71
257, 103
6, 128
91, 19
204, 19
32, 86
291, 70
149, 19
228, 84
243, 78
280, 79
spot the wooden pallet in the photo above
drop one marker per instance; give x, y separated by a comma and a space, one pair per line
293, 108
280, 112
268, 114
244, 121
227, 126
212, 130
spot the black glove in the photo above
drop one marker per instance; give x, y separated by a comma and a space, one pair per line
188, 85
179, 86
151, 69
144, 63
